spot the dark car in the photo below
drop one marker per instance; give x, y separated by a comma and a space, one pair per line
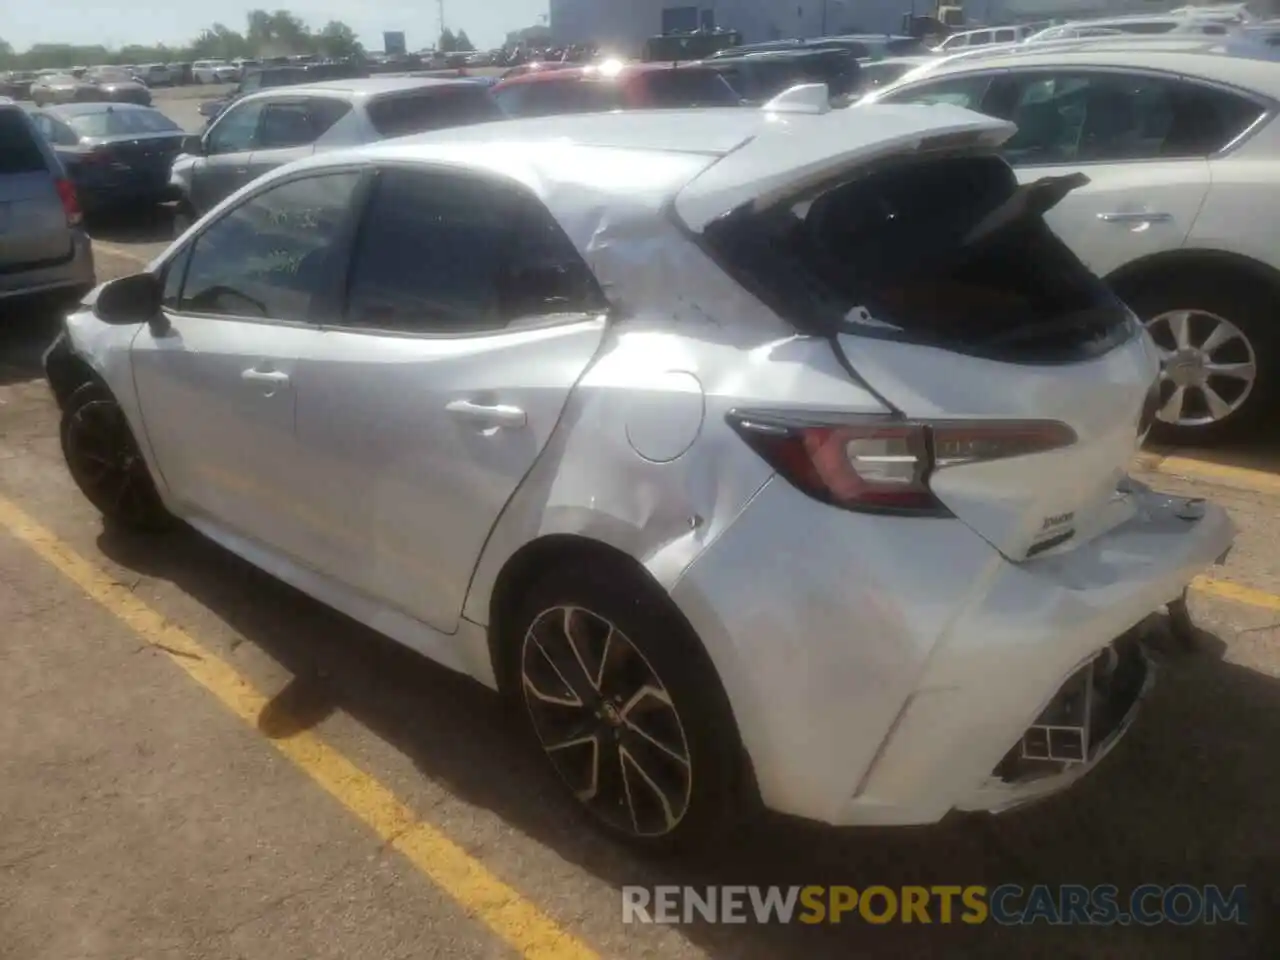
601, 88
759, 77
114, 153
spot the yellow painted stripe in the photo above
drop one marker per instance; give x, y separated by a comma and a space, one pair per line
1226, 590
1242, 478
485, 897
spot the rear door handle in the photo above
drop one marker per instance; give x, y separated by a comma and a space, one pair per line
1135, 217
272, 381
496, 415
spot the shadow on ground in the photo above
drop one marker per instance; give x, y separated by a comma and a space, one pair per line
1192, 796
151, 224
26, 329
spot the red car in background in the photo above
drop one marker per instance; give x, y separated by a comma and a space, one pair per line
613, 86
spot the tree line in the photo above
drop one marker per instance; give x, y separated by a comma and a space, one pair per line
266, 34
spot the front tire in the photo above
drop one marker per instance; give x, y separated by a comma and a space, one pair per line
1219, 361
626, 707
106, 463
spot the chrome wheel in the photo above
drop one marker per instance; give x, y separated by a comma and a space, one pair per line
1208, 368
606, 721
106, 463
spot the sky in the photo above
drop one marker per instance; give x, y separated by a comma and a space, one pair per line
177, 21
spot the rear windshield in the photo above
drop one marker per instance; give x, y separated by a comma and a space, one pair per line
111, 123
544, 98
931, 251
686, 88
433, 109
21, 153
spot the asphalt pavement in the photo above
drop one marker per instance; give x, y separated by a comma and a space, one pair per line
196, 761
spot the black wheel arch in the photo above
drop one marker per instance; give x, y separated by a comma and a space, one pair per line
66, 372
1184, 261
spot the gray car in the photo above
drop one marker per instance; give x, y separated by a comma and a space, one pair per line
62, 88
116, 84
266, 130
43, 246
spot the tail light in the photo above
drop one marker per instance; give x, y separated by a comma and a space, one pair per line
70, 202
881, 465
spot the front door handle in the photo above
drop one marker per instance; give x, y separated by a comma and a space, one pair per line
495, 415
1135, 217
277, 377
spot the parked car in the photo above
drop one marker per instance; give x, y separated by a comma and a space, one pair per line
864, 46
1180, 148
747, 456
17, 85
155, 75
272, 78
119, 85
115, 154
613, 86
759, 77
62, 88
44, 249
266, 130
214, 71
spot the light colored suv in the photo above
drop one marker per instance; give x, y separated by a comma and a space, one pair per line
43, 247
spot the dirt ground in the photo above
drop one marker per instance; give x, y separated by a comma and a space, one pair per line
150, 807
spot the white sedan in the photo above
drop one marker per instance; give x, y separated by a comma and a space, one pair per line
742, 452
1181, 212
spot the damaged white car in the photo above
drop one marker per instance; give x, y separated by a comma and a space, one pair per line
752, 458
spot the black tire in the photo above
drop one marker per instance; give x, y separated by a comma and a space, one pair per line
105, 462
1249, 306
717, 791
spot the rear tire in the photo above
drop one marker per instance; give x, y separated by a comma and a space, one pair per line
1219, 394
106, 463
622, 700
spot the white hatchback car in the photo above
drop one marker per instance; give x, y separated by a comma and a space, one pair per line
747, 455
1181, 212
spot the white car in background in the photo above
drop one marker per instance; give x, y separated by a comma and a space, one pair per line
747, 456
1181, 212
214, 71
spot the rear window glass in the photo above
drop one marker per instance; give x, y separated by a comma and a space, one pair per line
941, 251
21, 152
433, 109
685, 88
110, 123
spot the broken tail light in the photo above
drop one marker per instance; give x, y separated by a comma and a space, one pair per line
881, 465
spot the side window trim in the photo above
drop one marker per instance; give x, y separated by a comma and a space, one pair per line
344, 243
361, 220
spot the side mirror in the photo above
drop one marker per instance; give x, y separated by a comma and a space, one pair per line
193, 144
130, 300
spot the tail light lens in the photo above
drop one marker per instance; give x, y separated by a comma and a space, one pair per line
880, 465
70, 202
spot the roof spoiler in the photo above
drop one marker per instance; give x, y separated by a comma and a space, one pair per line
811, 98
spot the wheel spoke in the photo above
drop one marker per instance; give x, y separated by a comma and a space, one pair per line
1171, 411
1180, 328
576, 635
629, 762
592, 788
567, 697
1221, 334
1218, 408
1236, 371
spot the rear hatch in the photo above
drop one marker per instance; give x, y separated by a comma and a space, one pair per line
33, 222
942, 288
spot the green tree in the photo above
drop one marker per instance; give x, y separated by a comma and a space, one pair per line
448, 43
462, 43
338, 40
278, 34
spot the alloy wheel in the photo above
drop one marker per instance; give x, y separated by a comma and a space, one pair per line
106, 462
606, 721
1208, 369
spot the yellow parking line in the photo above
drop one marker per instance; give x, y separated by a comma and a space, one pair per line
517, 921
1242, 478
1226, 590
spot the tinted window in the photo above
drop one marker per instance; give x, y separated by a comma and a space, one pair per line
235, 130
981, 38
446, 254
967, 92
272, 254
433, 109
117, 122
286, 125
1083, 117
21, 152
1006, 36
684, 88
542, 98
1146, 26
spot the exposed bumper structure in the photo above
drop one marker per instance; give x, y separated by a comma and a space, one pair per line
887, 670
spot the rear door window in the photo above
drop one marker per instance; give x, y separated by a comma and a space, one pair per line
433, 108
286, 124
965, 91
20, 151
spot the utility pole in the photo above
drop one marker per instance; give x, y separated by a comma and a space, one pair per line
441, 4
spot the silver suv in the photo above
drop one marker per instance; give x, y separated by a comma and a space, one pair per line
43, 246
